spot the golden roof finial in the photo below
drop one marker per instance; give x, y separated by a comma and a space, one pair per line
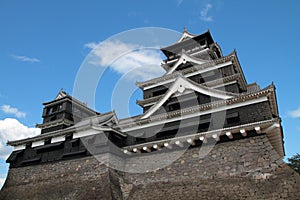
184, 29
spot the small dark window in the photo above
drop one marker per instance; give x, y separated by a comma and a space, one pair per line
175, 106
47, 141
53, 118
233, 118
28, 145
76, 142
55, 108
50, 110
203, 126
69, 137
184, 66
203, 99
173, 125
140, 139
69, 116
201, 80
159, 92
167, 134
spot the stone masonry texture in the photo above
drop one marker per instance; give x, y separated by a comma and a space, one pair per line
242, 169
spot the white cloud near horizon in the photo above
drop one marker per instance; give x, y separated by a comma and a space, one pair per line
25, 59
14, 111
12, 129
137, 62
2, 180
204, 13
4, 169
294, 113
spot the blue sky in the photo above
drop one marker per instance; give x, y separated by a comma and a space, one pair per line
43, 44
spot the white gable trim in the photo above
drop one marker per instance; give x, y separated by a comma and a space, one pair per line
60, 95
113, 119
214, 87
183, 59
180, 85
184, 35
102, 129
192, 54
191, 74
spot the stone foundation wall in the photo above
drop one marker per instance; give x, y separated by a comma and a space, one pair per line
83, 178
242, 169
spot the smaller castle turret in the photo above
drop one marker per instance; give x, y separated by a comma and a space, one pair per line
62, 112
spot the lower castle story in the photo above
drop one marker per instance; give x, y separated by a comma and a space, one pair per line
241, 169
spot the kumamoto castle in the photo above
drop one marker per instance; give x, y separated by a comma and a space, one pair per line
205, 133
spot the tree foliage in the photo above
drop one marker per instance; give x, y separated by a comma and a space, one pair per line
294, 162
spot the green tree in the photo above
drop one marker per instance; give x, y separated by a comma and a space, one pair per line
294, 162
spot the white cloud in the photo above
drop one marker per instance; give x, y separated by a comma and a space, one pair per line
12, 129
25, 59
2, 180
142, 63
14, 111
204, 13
294, 113
3, 175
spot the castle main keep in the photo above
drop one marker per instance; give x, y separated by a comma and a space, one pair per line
205, 133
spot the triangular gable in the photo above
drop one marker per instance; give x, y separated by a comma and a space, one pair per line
106, 119
60, 95
110, 120
98, 124
183, 59
185, 35
108, 124
179, 86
